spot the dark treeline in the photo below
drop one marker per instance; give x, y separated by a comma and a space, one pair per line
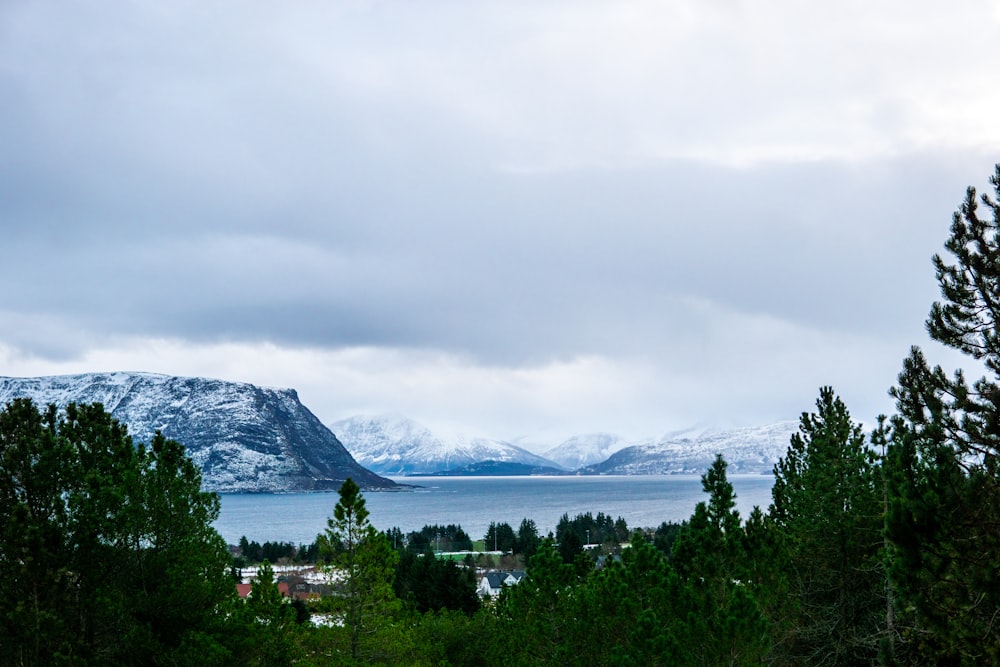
252, 552
878, 547
501, 537
433, 537
426, 583
439, 538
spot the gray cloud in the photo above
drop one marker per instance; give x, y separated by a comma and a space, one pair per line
524, 266
684, 189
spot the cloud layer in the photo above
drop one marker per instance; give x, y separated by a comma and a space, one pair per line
514, 216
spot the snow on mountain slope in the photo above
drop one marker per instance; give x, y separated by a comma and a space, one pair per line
746, 450
395, 445
244, 437
588, 449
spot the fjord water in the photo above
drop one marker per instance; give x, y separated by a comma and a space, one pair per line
475, 502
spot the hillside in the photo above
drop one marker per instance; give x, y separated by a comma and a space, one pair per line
245, 438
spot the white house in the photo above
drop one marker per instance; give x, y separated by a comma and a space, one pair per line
493, 582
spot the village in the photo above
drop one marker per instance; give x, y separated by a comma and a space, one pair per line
310, 582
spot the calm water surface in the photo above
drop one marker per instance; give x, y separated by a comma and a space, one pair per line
474, 502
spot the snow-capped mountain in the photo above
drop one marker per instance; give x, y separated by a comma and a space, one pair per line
245, 438
588, 449
395, 445
746, 450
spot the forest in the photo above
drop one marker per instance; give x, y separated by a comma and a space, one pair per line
880, 546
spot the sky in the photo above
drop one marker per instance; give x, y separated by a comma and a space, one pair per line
516, 219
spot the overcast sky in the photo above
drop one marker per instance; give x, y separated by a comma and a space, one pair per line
512, 218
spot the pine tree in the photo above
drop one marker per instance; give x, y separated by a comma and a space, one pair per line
943, 522
535, 617
499, 537
35, 588
827, 507
367, 564
269, 622
709, 544
527, 538
723, 624
632, 605
107, 548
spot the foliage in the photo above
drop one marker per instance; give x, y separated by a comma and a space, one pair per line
533, 616
251, 552
665, 535
434, 584
367, 567
628, 612
709, 559
269, 623
709, 544
439, 538
107, 548
500, 537
943, 520
588, 529
527, 538
827, 507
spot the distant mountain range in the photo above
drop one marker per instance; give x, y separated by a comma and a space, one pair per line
395, 445
245, 438
746, 450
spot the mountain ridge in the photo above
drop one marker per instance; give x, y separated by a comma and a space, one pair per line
751, 449
244, 438
397, 445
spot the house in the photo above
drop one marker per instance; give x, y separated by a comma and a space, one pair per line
243, 590
493, 582
298, 588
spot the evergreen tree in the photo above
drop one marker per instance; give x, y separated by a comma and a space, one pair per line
664, 536
36, 582
535, 617
722, 622
710, 542
499, 537
367, 565
527, 538
107, 548
767, 569
270, 621
627, 612
827, 504
395, 537
570, 547
439, 538
429, 583
943, 522
588, 529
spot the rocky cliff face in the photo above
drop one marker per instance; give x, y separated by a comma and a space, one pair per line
245, 438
